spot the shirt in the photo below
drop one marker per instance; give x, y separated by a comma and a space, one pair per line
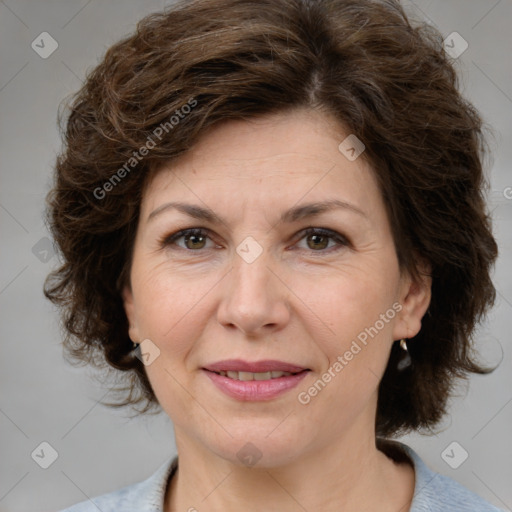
432, 492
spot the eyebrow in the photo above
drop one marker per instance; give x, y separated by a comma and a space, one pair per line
292, 215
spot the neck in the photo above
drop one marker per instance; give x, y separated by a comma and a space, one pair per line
352, 475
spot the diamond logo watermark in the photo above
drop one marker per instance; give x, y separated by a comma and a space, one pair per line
44, 45
147, 352
44, 455
249, 454
455, 45
454, 455
43, 250
249, 250
351, 147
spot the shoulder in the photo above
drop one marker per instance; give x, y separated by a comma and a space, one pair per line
146, 496
434, 492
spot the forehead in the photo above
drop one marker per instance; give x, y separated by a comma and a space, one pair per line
274, 159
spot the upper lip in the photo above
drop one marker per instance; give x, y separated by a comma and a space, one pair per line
238, 365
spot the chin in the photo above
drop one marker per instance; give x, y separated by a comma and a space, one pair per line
263, 446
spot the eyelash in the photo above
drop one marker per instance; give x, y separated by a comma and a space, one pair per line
332, 235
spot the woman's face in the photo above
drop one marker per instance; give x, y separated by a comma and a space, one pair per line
254, 285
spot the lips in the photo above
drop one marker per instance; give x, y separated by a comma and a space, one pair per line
254, 381
248, 376
241, 366
255, 390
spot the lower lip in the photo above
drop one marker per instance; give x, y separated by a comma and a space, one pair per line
255, 390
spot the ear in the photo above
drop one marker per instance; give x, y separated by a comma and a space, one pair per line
415, 295
129, 308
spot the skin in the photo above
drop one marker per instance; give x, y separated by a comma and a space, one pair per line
303, 301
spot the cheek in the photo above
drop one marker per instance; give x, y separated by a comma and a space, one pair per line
345, 303
357, 307
163, 298
167, 310
357, 349
171, 313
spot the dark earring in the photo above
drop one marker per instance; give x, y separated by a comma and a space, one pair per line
406, 361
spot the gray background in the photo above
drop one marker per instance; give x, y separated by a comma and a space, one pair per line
44, 399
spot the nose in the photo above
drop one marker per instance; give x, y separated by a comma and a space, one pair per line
254, 300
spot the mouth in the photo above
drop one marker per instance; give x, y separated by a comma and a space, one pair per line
254, 381
248, 376
239, 369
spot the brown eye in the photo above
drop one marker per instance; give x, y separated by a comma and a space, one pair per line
317, 241
323, 240
193, 239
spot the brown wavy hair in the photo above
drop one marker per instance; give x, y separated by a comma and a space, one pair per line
385, 78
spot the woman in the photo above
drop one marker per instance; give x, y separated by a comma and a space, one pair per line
271, 217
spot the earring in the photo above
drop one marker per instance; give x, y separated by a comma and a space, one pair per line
406, 361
